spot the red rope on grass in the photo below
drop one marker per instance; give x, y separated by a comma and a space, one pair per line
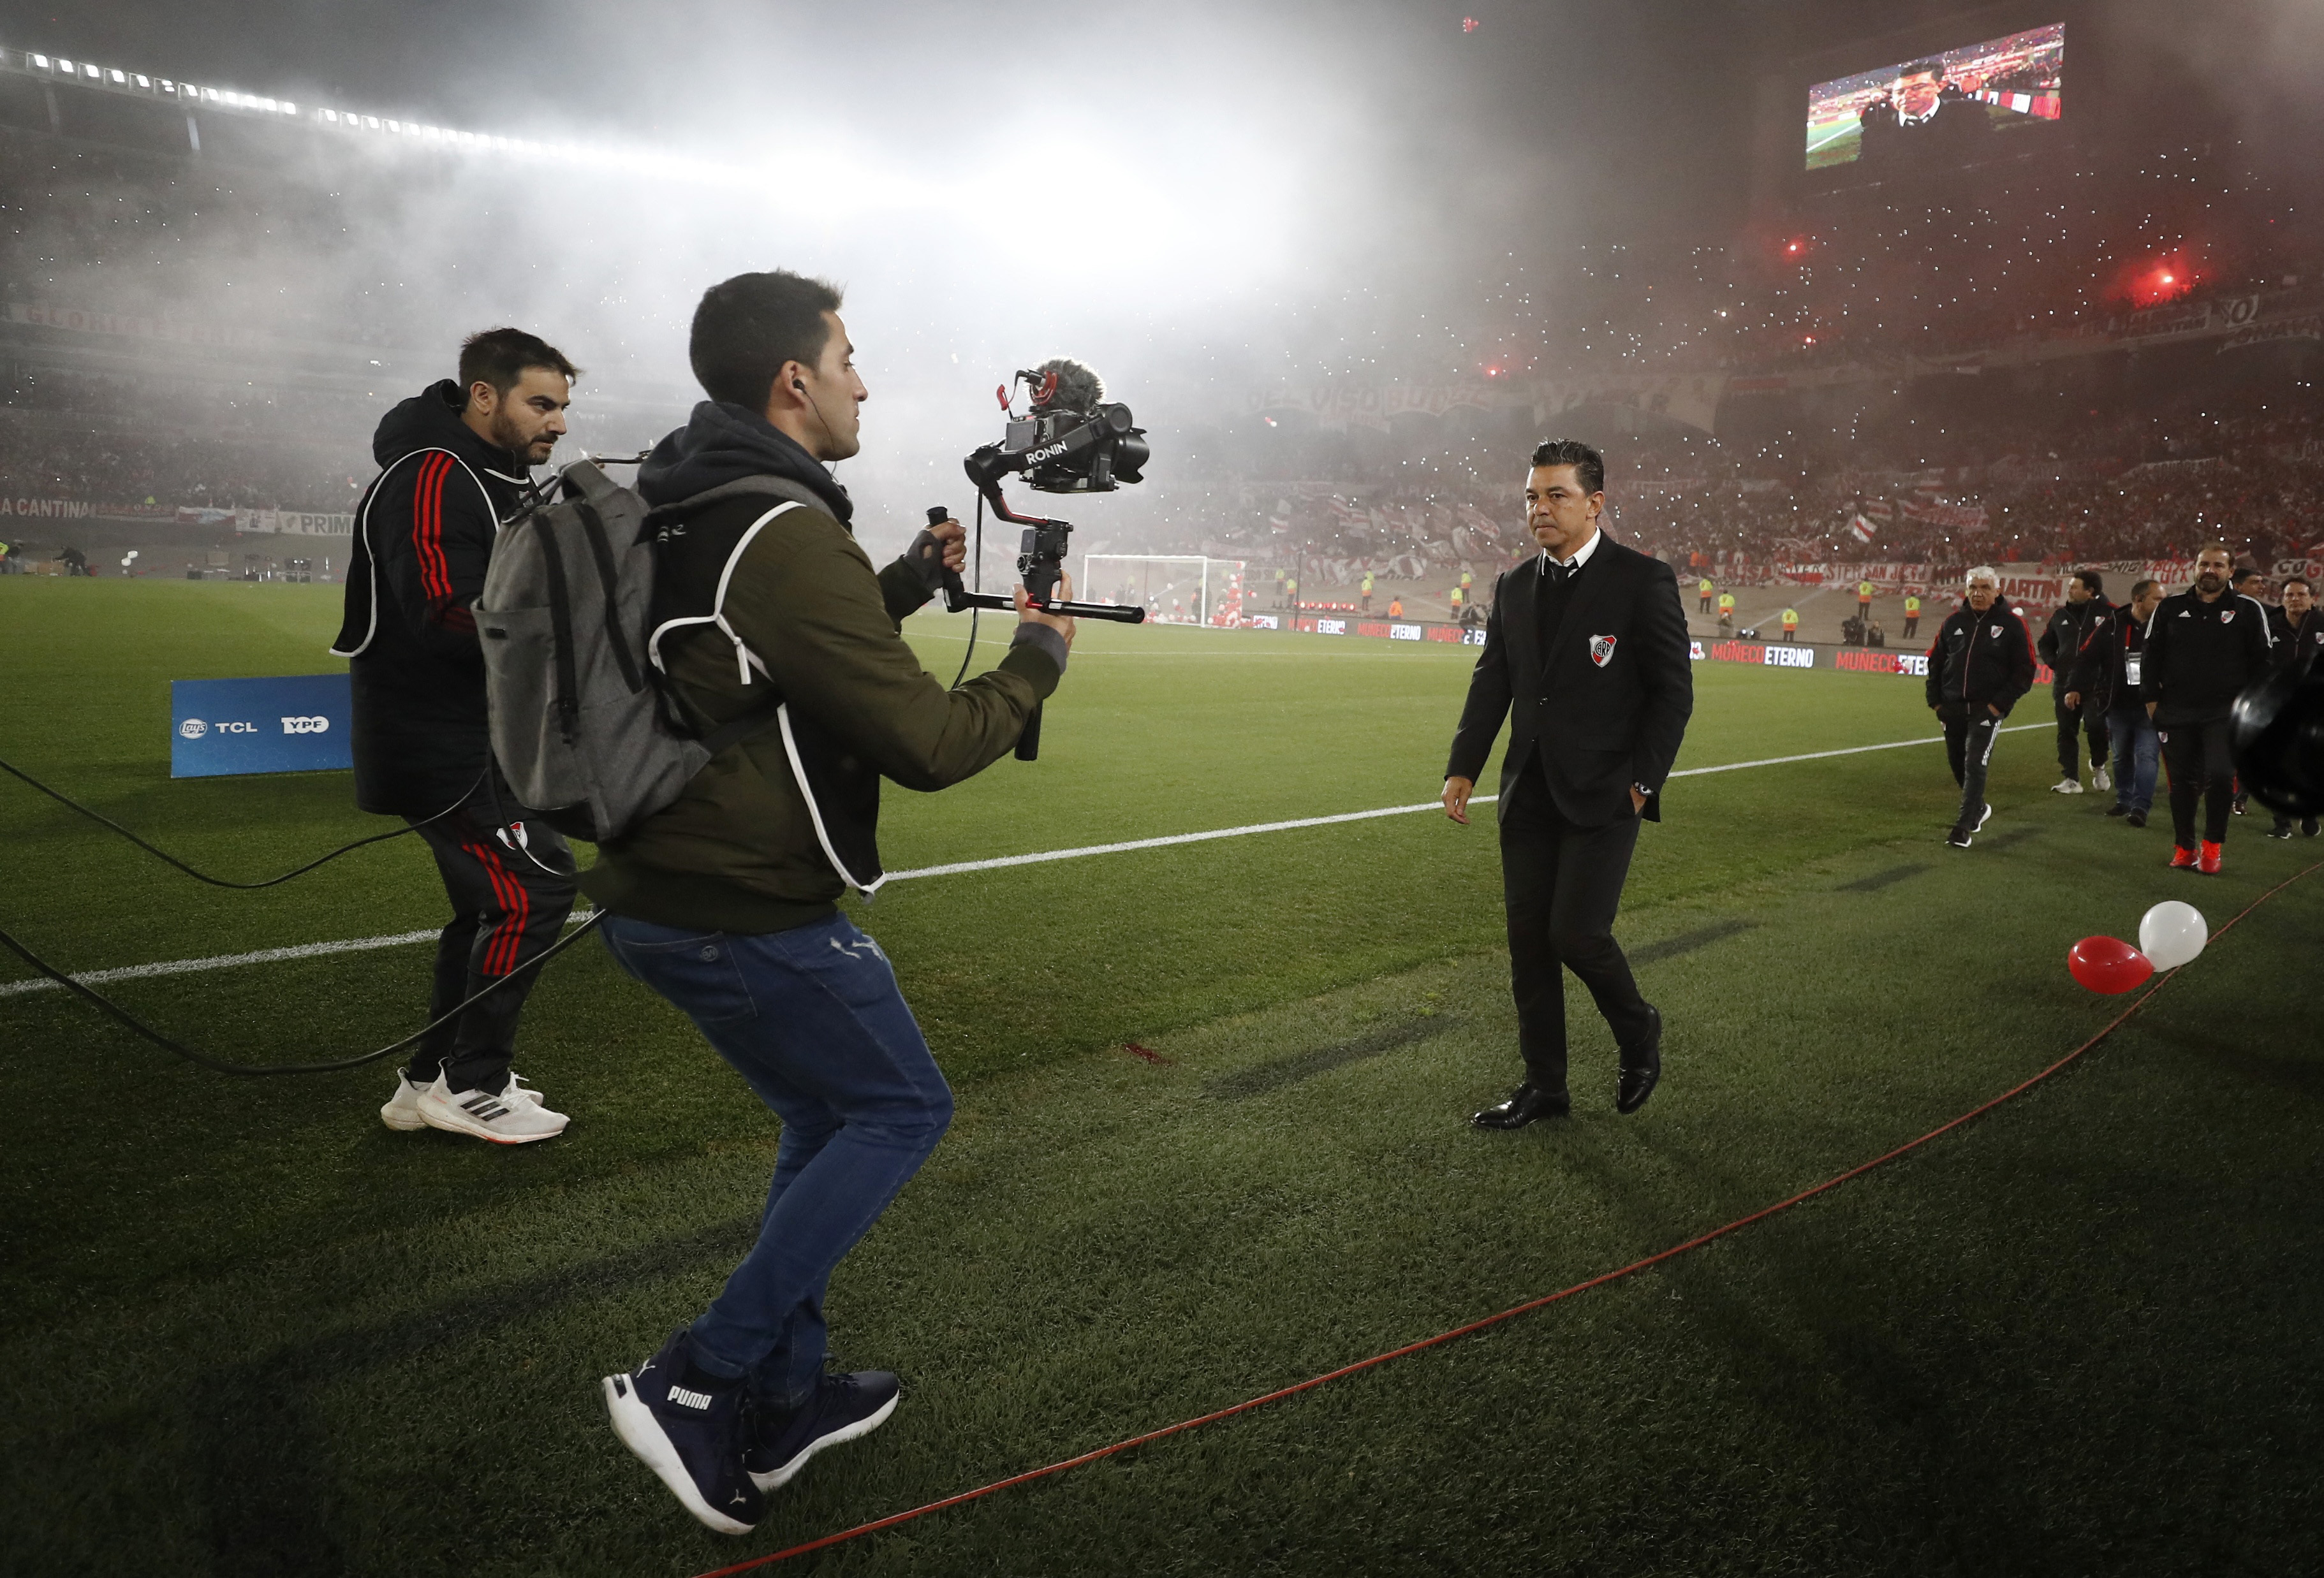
1514, 1311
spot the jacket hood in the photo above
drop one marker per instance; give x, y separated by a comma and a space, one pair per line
724, 442
430, 419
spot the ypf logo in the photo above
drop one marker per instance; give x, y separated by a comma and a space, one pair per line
193, 729
306, 725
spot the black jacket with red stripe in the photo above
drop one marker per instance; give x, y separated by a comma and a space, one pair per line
1981, 659
424, 535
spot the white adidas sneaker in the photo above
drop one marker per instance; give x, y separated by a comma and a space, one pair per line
402, 1111
512, 1117
2067, 787
2101, 780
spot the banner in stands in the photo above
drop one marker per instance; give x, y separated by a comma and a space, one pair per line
1689, 398
48, 508
1371, 405
2154, 322
292, 723
130, 326
2310, 327
2032, 584
292, 523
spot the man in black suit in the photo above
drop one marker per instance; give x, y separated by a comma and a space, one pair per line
1586, 653
1931, 128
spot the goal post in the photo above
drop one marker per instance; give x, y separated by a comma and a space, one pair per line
1174, 589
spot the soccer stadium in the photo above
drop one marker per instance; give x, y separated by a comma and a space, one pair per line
1171, 1170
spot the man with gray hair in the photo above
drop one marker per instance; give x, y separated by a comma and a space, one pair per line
1981, 662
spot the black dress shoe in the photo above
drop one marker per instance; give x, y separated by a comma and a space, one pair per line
1642, 1068
1525, 1103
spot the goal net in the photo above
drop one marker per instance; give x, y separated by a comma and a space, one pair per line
1183, 590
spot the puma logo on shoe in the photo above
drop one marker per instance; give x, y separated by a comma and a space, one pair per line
692, 1399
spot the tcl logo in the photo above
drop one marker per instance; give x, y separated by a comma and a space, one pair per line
196, 733
302, 725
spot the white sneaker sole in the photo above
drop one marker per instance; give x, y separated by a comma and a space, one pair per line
453, 1121
641, 1433
776, 1479
402, 1119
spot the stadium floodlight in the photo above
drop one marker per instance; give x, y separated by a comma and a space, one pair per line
371, 122
41, 61
144, 80
89, 70
64, 65
210, 93
330, 117
112, 76
288, 108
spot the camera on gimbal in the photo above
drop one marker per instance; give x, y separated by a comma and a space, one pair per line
1070, 440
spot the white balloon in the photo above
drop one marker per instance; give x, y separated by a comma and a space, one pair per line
2173, 933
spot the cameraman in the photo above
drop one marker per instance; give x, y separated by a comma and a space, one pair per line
725, 902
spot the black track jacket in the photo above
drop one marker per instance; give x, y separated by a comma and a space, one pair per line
1981, 659
2101, 675
1604, 697
2069, 630
424, 535
2199, 654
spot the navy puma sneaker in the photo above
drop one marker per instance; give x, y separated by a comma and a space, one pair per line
843, 1409
688, 1427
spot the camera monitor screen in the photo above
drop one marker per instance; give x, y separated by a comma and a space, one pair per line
1957, 106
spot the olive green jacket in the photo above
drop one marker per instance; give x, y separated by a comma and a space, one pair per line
737, 850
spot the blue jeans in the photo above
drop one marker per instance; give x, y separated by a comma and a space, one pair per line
813, 1019
2134, 752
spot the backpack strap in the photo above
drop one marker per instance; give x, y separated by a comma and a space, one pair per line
744, 659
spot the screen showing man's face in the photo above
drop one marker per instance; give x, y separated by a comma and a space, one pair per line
1917, 96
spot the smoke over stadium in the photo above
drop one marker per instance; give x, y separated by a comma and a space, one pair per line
1866, 461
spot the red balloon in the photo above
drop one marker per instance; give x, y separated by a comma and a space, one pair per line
2108, 965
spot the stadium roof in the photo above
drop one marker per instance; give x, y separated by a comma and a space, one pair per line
326, 120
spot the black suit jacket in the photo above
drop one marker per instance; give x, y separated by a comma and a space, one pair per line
1602, 716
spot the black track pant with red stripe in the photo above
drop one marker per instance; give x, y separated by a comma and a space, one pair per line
509, 905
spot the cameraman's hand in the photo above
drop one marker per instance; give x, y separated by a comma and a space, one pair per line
1456, 798
951, 544
937, 549
1028, 615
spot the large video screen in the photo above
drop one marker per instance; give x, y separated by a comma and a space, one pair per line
1961, 106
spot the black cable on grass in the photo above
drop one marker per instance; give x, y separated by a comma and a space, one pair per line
164, 855
1487, 1322
976, 583
105, 1004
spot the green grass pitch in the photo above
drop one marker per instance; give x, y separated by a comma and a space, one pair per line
246, 1330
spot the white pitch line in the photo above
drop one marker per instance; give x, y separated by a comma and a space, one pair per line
180, 966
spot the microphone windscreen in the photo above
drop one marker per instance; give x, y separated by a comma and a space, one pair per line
1078, 388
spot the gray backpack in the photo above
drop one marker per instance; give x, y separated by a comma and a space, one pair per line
581, 725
